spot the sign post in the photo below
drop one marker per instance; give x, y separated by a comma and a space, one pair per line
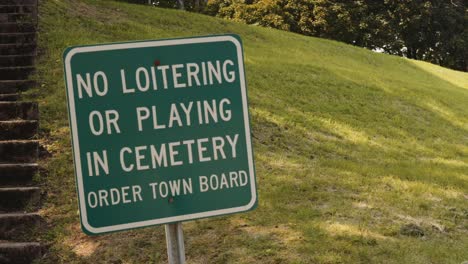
175, 243
160, 133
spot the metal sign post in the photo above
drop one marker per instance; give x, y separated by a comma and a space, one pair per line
175, 243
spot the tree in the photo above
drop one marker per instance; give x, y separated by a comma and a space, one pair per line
434, 31
431, 30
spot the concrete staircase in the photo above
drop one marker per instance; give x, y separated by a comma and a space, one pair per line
19, 197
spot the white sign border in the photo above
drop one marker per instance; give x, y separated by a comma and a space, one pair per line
76, 145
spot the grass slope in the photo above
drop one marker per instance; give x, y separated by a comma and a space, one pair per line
350, 147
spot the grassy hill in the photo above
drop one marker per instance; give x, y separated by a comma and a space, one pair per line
361, 157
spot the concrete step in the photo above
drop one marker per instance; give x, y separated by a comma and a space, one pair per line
10, 111
6, 8
16, 61
18, 49
12, 38
18, 129
17, 174
17, 18
9, 97
17, 27
20, 226
19, 2
20, 253
16, 73
14, 199
15, 86
19, 151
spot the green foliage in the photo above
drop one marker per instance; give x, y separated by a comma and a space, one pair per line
189, 5
434, 30
291, 15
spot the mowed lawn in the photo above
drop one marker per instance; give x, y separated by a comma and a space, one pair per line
360, 157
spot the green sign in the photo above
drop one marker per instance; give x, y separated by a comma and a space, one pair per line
160, 131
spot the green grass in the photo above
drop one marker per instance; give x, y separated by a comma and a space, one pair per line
350, 147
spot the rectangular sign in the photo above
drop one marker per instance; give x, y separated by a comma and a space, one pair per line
160, 131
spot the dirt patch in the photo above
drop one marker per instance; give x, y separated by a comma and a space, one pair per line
103, 15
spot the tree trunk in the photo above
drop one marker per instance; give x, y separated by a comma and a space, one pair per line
181, 5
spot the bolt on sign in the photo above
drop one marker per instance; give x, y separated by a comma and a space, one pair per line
160, 131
